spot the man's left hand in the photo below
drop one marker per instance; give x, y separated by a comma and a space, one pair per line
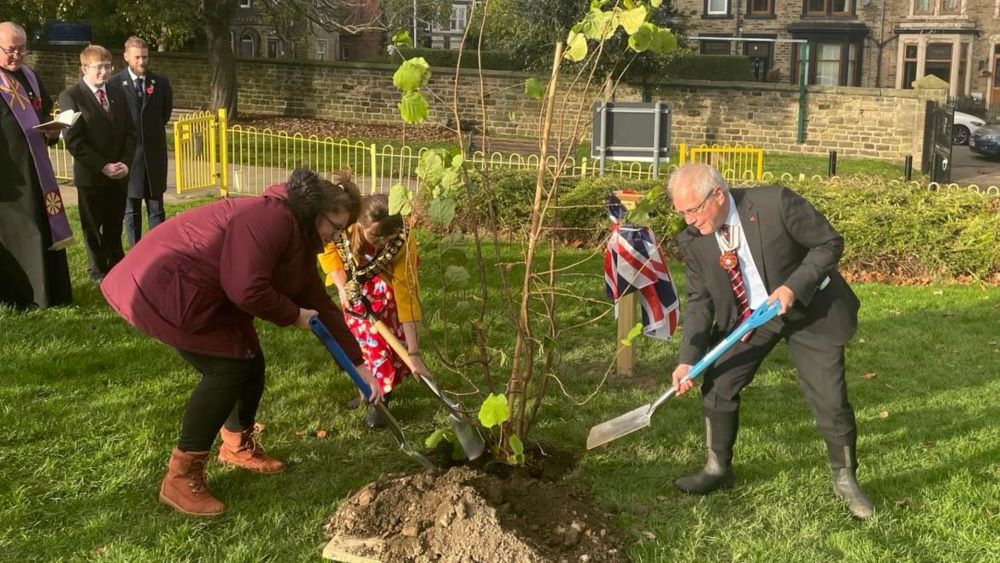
785, 296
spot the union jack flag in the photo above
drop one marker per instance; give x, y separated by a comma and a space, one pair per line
634, 262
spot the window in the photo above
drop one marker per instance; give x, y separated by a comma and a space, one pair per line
937, 7
824, 8
938, 60
321, 46
345, 54
246, 3
272, 48
248, 45
715, 48
459, 17
830, 63
717, 7
909, 66
946, 57
760, 7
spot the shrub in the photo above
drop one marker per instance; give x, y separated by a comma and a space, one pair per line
729, 68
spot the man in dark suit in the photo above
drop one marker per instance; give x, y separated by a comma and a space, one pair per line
151, 101
745, 248
102, 143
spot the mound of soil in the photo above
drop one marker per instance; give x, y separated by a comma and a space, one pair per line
468, 515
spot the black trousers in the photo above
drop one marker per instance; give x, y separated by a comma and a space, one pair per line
820, 367
228, 394
133, 213
102, 209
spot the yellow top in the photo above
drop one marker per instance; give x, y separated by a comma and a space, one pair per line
403, 278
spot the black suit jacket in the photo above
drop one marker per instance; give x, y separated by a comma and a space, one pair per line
792, 244
96, 140
150, 113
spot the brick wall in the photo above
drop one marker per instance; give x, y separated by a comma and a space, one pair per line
868, 122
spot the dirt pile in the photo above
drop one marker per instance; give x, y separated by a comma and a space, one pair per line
467, 515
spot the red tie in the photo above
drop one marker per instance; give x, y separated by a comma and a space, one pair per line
104, 102
739, 290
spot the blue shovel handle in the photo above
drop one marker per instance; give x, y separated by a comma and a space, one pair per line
763, 314
321, 332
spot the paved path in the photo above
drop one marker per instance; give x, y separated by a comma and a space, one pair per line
971, 168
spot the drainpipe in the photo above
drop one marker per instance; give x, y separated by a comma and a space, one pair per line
881, 46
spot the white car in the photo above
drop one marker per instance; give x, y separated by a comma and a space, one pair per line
965, 125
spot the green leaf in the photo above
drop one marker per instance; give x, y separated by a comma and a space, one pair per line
534, 88
632, 334
413, 107
576, 47
642, 39
452, 181
633, 19
412, 74
402, 39
664, 42
655, 3
400, 200
456, 277
454, 257
599, 25
442, 211
494, 410
434, 439
430, 168
457, 161
517, 449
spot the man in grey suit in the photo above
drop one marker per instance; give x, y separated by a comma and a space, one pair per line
742, 249
151, 100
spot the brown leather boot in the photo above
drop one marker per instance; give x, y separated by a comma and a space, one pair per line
184, 488
242, 450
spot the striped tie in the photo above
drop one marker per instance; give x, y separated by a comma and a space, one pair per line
739, 289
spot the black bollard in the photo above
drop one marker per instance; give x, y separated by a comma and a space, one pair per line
908, 167
833, 164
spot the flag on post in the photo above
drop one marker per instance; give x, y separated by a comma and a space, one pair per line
633, 262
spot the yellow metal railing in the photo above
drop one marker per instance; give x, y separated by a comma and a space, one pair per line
737, 163
196, 151
245, 160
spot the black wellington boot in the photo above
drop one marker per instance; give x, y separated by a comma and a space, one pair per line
720, 435
843, 460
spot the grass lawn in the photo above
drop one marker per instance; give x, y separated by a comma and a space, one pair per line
90, 409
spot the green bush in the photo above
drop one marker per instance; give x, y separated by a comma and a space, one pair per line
447, 58
729, 68
890, 229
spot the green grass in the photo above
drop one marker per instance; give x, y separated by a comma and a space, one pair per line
90, 409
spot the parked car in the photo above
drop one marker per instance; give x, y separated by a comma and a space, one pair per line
965, 125
986, 141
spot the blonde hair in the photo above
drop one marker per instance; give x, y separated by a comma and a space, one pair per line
137, 42
94, 53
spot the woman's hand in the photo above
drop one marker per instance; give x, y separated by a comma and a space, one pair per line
373, 384
419, 367
303, 320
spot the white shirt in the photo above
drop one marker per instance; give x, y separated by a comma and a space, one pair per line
133, 76
94, 89
756, 291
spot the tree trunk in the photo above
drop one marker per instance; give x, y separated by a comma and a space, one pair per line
218, 19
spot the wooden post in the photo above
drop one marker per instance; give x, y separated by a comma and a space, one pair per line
626, 320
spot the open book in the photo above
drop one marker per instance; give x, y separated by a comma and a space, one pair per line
64, 120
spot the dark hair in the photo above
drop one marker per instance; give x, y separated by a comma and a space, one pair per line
375, 211
309, 196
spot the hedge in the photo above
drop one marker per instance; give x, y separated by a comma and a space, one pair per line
890, 229
729, 68
492, 60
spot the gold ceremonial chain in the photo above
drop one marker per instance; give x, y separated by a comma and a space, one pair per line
358, 276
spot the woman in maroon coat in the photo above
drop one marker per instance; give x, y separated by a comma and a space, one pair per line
198, 281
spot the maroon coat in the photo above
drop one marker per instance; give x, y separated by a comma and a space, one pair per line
197, 281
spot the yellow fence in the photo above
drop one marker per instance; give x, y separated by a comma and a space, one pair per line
245, 160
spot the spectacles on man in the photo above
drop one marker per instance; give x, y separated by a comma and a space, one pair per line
102, 66
698, 208
18, 51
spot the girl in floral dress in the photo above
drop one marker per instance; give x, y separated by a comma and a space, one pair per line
376, 263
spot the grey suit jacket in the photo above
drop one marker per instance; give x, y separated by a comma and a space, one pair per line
792, 244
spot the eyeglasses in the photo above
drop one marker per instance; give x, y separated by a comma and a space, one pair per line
102, 66
336, 226
698, 208
19, 51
